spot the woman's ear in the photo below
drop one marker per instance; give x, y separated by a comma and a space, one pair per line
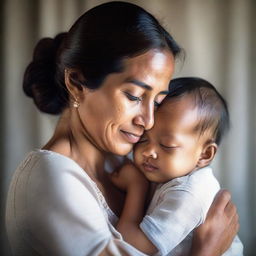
74, 83
207, 154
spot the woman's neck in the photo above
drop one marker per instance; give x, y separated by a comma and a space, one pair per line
69, 140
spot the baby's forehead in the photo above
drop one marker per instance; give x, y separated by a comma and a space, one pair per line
180, 115
177, 119
189, 99
175, 107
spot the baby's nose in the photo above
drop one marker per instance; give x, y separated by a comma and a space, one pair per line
150, 153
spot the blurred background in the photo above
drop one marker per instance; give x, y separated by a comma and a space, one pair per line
219, 37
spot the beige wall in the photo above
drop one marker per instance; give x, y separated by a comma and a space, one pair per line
219, 39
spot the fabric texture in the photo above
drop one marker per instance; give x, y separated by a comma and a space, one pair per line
54, 208
178, 207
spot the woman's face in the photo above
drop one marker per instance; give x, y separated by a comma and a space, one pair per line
116, 115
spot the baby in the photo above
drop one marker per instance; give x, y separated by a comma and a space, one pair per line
175, 154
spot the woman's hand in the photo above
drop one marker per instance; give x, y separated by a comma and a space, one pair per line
216, 234
129, 177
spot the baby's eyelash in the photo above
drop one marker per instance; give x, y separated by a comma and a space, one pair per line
142, 140
167, 147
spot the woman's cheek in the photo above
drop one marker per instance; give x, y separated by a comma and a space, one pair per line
137, 154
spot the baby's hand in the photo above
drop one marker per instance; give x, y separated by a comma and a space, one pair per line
129, 177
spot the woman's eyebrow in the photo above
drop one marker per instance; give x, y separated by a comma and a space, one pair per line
139, 83
143, 85
164, 92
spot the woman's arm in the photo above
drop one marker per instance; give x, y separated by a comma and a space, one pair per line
216, 234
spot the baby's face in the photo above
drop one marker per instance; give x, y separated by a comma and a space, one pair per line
172, 147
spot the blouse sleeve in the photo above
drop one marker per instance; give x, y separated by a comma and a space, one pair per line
172, 220
182, 205
63, 216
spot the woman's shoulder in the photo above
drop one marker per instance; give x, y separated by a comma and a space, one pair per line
43, 169
45, 162
50, 201
46, 176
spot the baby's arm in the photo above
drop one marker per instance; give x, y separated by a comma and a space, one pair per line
130, 179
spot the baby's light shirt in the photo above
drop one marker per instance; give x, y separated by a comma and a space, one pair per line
178, 207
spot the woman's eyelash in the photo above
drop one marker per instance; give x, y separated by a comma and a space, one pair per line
131, 97
156, 104
134, 98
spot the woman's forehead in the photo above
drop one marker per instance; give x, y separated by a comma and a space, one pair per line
154, 59
152, 68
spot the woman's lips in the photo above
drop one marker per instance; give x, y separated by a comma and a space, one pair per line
130, 137
149, 167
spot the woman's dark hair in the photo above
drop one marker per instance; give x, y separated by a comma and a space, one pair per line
212, 107
96, 45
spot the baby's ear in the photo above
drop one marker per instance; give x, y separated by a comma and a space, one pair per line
207, 154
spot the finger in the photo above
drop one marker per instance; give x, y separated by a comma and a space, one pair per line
221, 200
230, 234
230, 209
234, 226
235, 223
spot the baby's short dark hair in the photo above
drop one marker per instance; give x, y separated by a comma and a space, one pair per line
212, 107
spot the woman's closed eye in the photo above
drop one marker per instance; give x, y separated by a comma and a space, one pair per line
159, 99
157, 104
132, 97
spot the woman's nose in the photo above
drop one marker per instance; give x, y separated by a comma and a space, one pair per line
149, 152
146, 118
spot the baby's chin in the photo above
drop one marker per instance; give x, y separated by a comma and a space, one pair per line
159, 180
154, 176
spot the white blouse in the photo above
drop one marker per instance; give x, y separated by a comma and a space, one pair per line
54, 208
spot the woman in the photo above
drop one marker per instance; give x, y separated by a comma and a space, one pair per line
105, 77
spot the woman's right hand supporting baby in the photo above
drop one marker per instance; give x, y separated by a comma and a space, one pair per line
215, 236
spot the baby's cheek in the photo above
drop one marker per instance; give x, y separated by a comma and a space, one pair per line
178, 165
184, 164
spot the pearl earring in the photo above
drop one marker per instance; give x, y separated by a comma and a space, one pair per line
76, 104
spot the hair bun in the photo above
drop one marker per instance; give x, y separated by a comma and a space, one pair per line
47, 48
39, 79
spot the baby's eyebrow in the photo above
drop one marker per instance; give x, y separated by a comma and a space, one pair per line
168, 136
